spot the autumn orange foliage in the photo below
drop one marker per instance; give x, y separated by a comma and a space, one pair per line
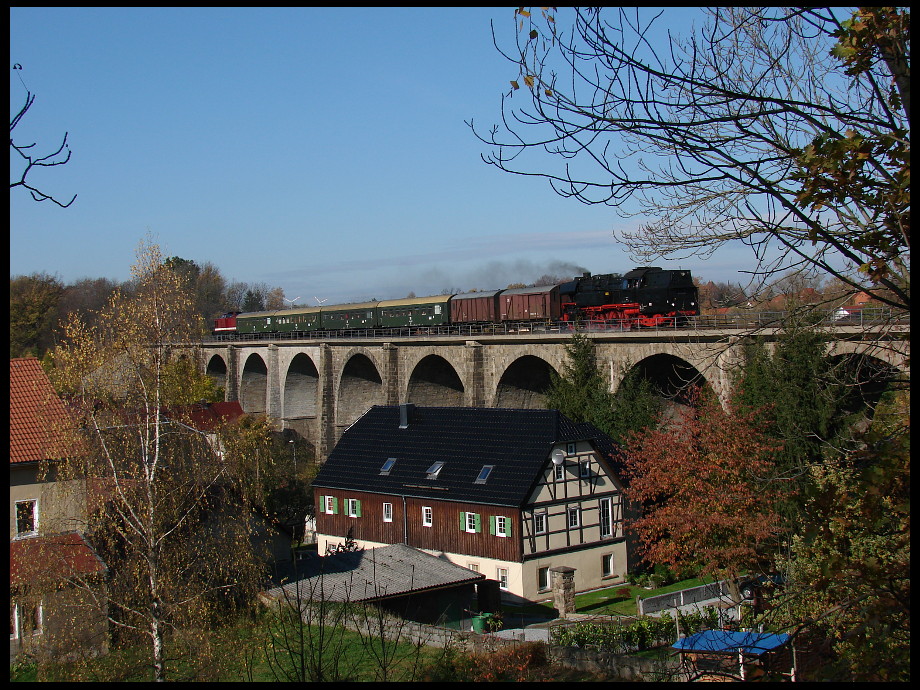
706, 488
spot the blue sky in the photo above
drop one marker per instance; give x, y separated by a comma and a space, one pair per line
320, 150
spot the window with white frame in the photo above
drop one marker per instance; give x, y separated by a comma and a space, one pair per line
427, 516
607, 565
585, 468
500, 526
570, 449
388, 512
605, 517
502, 577
25, 620
543, 578
574, 516
539, 523
473, 566
470, 522
26, 518
353, 506
330, 505
560, 472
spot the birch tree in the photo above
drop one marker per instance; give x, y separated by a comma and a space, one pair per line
162, 511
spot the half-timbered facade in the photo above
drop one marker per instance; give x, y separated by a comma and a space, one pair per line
507, 493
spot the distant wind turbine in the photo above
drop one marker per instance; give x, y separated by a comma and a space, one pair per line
320, 302
291, 301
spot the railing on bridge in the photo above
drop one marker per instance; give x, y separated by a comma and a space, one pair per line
737, 321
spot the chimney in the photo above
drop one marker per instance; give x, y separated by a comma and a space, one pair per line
405, 409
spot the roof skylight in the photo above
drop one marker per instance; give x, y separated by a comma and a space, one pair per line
484, 474
387, 465
434, 470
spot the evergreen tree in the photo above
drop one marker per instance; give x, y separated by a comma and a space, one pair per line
582, 394
810, 402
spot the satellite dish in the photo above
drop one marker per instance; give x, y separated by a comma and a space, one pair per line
558, 456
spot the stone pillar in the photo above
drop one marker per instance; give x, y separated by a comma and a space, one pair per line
326, 417
274, 385
475, 386
232, 390
563, 584
391, 374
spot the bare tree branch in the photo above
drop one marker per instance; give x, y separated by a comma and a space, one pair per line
750, 128
33, 160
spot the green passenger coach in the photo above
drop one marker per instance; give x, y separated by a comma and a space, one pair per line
349, 316
415, 311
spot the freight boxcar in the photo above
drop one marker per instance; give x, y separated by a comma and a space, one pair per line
475, 307
415, 311
530, 304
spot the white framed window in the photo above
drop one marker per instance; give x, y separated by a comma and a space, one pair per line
574, 516
607, 565
560, 472
353, 506
27, 518
570, 449
502, 577
25, 620
539, 523
543, 578
427, 516
605, 517
470, 522
473, 566
388, 512
330, 504
498, 525
585, 468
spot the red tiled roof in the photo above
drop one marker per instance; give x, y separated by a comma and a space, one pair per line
36, 414
208, 416
55, 556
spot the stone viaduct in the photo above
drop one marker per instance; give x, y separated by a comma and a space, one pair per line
317, 388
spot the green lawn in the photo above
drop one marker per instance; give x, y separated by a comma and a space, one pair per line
619, 600
238, 653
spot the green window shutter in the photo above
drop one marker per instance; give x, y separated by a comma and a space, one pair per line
462, 521
507, 526
492, 524
322, 504
335, 505
358, 511
478, 523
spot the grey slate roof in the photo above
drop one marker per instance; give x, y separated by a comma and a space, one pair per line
373, 574
518, 442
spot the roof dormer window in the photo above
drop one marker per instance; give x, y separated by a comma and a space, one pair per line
434, 470
387, 465
484, 474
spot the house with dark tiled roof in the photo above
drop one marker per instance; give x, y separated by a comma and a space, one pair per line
507, 493
47, 515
